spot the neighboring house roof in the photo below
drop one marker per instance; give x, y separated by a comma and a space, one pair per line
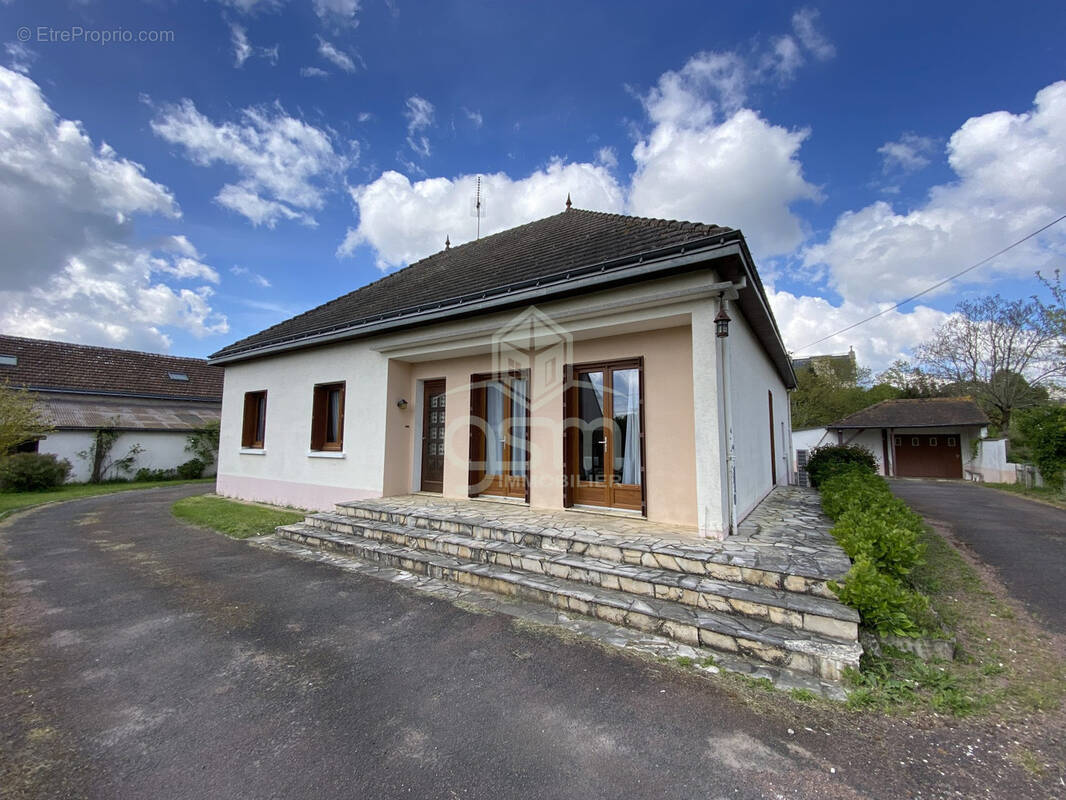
919, 413
60, 366
75, 412
843, 364
550, 255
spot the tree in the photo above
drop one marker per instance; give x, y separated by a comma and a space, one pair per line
825, 395
20, 421
99, 454
909, 381
999, 351
1045, 433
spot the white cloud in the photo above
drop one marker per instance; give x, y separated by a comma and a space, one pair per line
405, 221
810, 37
739, 171
340, 12
313, 72
20, 57
607, 157
806, 319
253, 277
71, 267
474, 116
1010, 179
253, 6
419, 116
339, 59
909, 153
285, 165
243, 49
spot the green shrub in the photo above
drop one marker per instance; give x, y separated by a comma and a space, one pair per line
193, 468
32, 472
831, 459
885, 604
886, 532
146, 474
1044, 429
852, 488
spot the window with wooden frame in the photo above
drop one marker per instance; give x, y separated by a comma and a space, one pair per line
327, 417
253, 434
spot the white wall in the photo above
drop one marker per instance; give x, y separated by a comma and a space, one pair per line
808, 439
751, 376
286, 472
162, 450
871, 440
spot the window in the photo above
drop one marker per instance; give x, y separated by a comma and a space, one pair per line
898, 441
177, 376
914, 441
253, 435
8, 361
951, 441
327, 417
932, 441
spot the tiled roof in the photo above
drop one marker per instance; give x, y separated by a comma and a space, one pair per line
55, 366
553, 245
919, 413
80, 411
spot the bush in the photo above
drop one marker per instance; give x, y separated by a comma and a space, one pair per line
885, 604
193, 468
1044, 429
886, 534
831, 459
852, 488
33, 472
145, 474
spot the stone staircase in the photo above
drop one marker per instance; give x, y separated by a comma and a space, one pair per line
757, 600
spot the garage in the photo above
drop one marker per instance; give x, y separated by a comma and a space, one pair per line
923, 455
928, 437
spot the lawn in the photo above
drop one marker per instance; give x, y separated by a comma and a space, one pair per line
11, 502
233, 518
1045, 494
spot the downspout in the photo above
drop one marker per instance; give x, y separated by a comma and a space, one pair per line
724, 364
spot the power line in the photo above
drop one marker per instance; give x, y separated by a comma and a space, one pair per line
949, 279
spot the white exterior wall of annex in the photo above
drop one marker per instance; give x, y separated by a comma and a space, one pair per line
870, 438
753, 379
161, 450
286, 471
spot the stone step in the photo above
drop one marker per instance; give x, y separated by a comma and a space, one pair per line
789, 569
789, 609
800, 651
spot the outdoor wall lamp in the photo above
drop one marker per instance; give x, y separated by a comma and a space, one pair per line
721, 324
401, 404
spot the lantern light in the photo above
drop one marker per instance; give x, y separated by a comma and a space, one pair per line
721, 324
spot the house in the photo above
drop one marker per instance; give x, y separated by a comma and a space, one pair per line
920, 438
579, 361
151, 400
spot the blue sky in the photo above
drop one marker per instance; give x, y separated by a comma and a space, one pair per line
179, 195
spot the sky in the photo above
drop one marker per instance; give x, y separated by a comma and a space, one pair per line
175, 176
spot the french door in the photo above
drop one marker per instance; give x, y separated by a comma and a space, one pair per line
605, 435
433, 429
499, 442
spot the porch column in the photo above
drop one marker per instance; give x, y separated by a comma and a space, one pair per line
710, 430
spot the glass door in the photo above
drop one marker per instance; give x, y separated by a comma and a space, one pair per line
605, 452
499, 448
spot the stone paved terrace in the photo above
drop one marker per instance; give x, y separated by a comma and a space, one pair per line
786, 533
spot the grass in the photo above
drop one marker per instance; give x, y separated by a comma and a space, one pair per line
10, 502
1044, 494
235, 519
1003, 665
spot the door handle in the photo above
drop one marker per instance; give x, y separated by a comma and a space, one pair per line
602, 441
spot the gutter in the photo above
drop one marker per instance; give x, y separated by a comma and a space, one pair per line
574, 281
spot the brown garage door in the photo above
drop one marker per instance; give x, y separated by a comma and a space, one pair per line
928, 455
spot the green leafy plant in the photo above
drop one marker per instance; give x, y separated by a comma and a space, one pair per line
203, 442
33, 472
832, 459
886, 532
99, 455
146, 474
852, 488
1044, 429
885, 603
191, 469
20, 420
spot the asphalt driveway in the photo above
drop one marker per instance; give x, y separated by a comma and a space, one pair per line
143, 658
1024, 541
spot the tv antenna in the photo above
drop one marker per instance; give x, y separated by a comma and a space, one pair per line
478, 208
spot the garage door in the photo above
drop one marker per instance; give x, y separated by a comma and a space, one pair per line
925, 455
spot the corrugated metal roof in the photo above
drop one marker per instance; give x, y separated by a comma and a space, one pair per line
74, 412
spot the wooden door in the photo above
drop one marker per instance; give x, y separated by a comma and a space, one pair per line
605, 435
433, 427
499, 446
773, 447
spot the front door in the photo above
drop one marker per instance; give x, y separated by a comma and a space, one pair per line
605, 435
433, 399
499, 445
